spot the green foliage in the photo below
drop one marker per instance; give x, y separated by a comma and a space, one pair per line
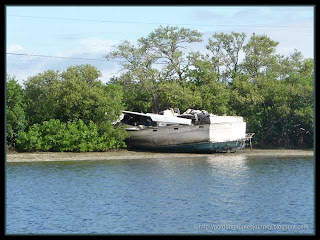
215, 97
260, 54
54, 135
15, 114
110, 137
135, 96
274, 93
280, 113
66, 110
76, 93
113, 102
31, 140
203, 71
51, 133
167, 44
245, 101
164, 44
225, 49
40, 91
173, 95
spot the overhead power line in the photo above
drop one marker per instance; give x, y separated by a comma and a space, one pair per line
73, 58
47, 56
157, 23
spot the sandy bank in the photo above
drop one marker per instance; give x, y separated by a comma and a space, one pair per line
127, 155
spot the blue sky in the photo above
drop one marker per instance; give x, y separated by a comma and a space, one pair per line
91, 31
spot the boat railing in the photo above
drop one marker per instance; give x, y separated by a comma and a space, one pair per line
249, 137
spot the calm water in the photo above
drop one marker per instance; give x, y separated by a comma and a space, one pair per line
220, 194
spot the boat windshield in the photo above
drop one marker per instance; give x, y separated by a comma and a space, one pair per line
135, 120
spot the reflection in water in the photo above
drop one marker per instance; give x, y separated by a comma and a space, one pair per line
225, 189
160, 195
227, 163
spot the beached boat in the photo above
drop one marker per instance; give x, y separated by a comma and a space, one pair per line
192, 131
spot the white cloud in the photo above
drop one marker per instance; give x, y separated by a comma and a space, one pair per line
95, 48
98, 45
108, 73
15, 48
89, 47
22, 67
205, 15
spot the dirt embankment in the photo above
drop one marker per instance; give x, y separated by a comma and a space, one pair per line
129, 155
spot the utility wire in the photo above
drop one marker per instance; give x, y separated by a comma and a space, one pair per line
34, 55
48, 56
157, 23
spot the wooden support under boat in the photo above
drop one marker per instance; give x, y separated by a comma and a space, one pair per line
249, 136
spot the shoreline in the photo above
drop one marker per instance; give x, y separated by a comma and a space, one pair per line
123, 154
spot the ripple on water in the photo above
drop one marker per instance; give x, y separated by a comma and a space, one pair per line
175, 195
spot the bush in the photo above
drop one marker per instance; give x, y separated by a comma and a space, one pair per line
31, 140
110, 137
54, 135
16, 119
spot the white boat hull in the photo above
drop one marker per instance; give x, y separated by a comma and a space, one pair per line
219, 137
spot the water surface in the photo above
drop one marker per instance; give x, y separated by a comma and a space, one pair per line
220, 194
